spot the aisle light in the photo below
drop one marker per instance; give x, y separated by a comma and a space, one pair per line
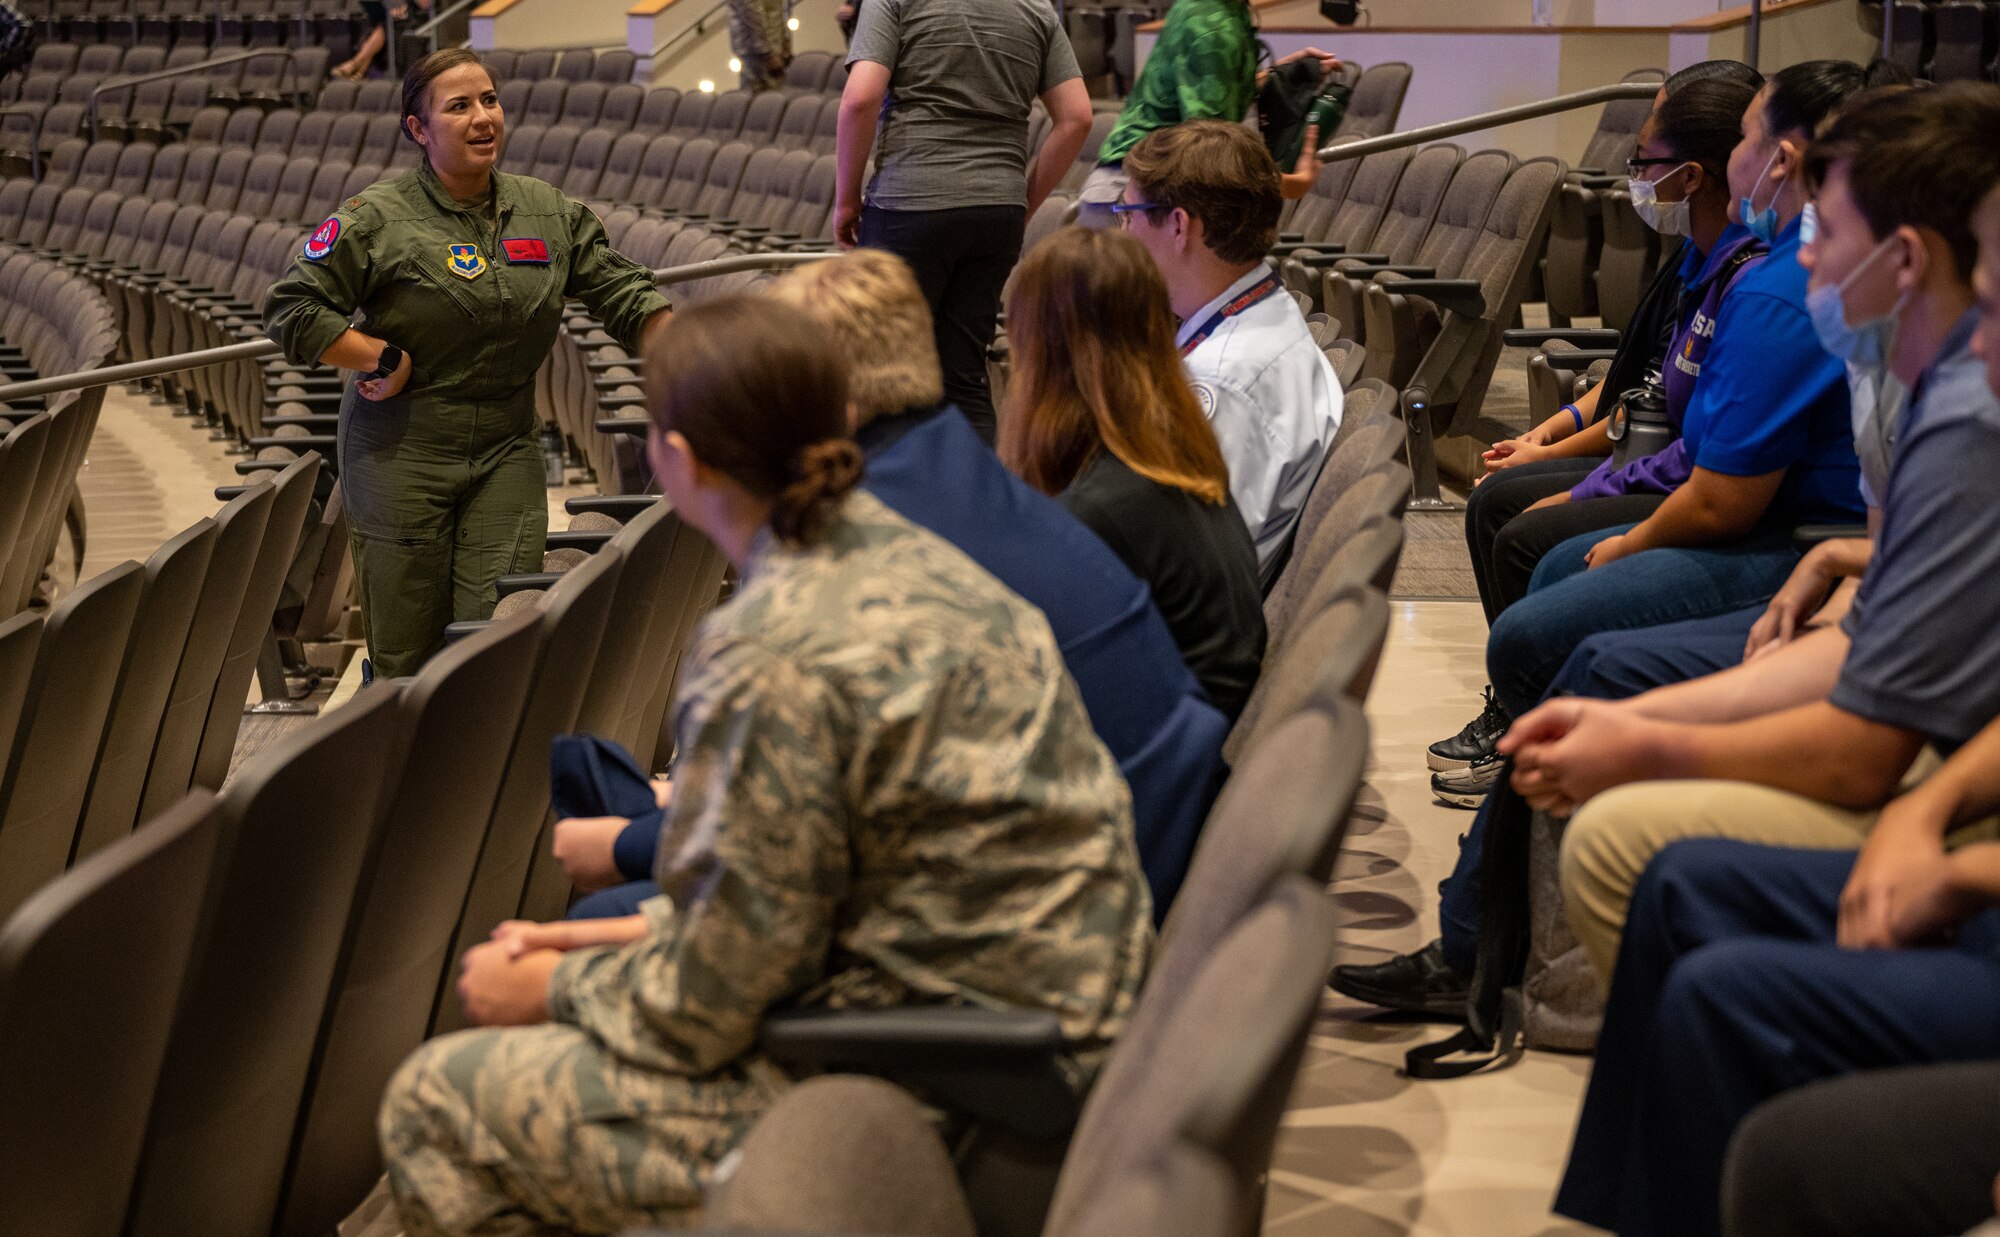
705, 86
735, 65
792, 25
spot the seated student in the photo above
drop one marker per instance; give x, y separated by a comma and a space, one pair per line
1767, 436
1099, 414
1749, 969
1202, 197
1614, 665
935, 472
886, 792
1517, 515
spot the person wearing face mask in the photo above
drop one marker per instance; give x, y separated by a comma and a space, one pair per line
1761, 951
459, 273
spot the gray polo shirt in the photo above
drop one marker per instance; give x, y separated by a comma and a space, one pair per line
962, 75
1925, 625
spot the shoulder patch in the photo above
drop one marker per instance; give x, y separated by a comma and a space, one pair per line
1205, 395
320, 243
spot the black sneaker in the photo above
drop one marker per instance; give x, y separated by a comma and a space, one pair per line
1418, 983
1476, 742
1468, 787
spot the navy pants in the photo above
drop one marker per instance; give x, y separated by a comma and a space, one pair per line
1729, 990
1566, 603
1611, 665
615, 902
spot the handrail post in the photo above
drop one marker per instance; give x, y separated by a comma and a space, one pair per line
1755, 37
389, 39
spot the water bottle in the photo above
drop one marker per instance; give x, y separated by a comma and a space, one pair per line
1640, 425
552, 455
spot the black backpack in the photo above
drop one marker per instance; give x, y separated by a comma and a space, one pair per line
1294, 97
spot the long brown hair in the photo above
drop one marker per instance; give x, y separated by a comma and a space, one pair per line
761, 397
1095, 368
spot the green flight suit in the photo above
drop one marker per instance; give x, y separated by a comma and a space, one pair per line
443, 483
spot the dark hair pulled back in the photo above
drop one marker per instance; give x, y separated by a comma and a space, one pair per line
1804, 96
761, 396
417, 81
1715, 70
1702, 122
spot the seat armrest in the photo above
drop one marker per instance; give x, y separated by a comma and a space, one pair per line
312, 421
1003, 1066
1328, 259
454, 632
1600, 182
1575, 361
1403, 274
1284, 248
527, 581
588, 542
1582, 337
620, 507
637, 427
1806, 536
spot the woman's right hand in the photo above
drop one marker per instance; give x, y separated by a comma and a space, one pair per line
1804, 591
375, 390
1525, 449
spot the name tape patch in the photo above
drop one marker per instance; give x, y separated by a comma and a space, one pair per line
320, 243
527, 251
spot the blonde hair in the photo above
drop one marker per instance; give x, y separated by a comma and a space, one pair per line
873, 313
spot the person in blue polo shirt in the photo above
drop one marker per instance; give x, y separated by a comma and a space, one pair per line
933, 470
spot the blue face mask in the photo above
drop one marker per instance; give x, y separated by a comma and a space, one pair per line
1864, 347
1763, 224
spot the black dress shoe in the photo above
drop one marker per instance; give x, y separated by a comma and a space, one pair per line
1418, 983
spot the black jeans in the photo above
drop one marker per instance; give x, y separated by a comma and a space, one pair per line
1889, 1153
1507, 540
962, 258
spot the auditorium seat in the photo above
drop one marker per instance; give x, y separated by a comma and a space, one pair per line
1415, 189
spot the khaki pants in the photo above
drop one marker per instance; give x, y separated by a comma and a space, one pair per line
1613, 837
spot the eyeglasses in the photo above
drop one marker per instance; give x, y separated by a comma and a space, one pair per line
1124, 211
1632, 166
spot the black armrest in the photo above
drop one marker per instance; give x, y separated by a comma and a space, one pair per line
526, 581
1287, 237
1285, 248
1328, 259
324, 443
1003, 1066
1574, 362
1806, 536
1601, 182
637, 427
1582, 337
598, 365
1406, 273
454, 632
1458, 296
589, 543
620, 507
312, 421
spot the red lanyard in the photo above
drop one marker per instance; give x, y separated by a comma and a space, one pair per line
1262, 291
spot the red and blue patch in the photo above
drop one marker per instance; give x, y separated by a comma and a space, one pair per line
526, 251
320, 243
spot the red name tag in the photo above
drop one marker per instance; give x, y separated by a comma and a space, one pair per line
526, 250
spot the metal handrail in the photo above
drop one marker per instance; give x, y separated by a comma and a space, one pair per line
186, 70
1487, 120
430, 27
700, 26
259, 349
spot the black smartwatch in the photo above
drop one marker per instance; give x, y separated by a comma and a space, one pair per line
391, 357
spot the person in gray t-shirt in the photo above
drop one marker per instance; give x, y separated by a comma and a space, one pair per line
939, 92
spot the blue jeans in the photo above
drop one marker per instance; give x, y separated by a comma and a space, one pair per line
1730, 989
1566, 603
1611, 665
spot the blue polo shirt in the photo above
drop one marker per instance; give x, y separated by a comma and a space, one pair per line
1924, 631
1143, 702
1771, 398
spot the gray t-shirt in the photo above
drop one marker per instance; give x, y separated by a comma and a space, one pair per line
1925, 627
962, 75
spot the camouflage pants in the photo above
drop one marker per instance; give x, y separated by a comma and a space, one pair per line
537, 1131
757, 31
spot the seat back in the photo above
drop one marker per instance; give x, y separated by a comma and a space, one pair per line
574, 620
289, 505
69, 698
1617, 132
1377, 102
20, 640
20, 464
174, 578
91, 969
461, 713
240, 529
299, 821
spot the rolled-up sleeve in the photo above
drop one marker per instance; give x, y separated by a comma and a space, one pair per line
615, 288
314, 303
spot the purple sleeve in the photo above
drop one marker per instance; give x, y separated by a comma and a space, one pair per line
1660, 473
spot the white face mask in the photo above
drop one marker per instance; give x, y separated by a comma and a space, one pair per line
1666, 218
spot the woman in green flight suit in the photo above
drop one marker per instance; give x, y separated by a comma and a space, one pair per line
459, 272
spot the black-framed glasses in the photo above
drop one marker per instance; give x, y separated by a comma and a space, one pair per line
1632, 166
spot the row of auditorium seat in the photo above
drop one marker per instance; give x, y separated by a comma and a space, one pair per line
1946, 40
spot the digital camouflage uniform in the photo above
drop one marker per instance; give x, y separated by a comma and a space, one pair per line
443, 483
757, 31
887, 793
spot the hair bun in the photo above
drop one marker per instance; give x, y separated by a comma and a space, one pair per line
822, 474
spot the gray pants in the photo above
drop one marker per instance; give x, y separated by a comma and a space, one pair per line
1105, 187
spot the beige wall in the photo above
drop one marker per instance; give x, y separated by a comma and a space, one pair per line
706, 56
553, 23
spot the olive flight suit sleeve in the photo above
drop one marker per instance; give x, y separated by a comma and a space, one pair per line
313, 304
754, 864
619, 291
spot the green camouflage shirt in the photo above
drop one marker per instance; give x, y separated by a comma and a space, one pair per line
475, 297
887, 793
1203, 67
